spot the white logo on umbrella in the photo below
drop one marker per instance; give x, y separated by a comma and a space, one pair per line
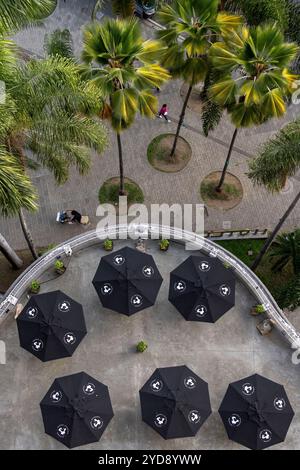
89, 388
156, 385
64, 306
118, 260
279, 403
204, 266
194, 416
37, 344
136, 300
160, 420
180, 286
265, 435
106, 289
62, 430
32, 312
96, 422
248, 389
224, 290
148, 271
69, 338
201, 311
190, 382
234, 420
56, 396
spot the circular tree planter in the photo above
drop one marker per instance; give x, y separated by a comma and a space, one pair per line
109, 191
159, 150
195, 102
230, 196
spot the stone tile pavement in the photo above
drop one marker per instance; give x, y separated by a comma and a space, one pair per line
259, 209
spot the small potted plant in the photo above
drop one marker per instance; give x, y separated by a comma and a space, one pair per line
164, 244
108, 244
35, 286
141, 346
257, 309
59, 266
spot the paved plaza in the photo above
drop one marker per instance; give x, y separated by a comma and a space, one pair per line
258, 209
219, 353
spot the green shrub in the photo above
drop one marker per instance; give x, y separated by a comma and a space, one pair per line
35, 286
164, 244
259, 308
141, 346
108, 244
59, 264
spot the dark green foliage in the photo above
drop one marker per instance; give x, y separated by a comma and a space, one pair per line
261, 11
289, 295
59, 43
123, 8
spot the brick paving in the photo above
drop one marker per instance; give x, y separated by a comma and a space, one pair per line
259, 209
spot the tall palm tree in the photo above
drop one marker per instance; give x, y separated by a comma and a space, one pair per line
255, 82
190, 27
286, 251
124, 68
278, 160
16, 14
47, 117
16, 193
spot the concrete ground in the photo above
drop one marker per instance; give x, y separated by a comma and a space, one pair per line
220, 353
259, 209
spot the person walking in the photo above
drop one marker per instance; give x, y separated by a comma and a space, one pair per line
164, 112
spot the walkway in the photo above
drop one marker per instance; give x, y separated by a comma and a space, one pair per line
258, 208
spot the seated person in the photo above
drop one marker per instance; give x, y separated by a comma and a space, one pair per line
75, 216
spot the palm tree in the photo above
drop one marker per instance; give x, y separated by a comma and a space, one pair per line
190, 27
256, 82
124, 68
123, 8
16, 193
278, 160
286, 250
47, 118
16, 14
59, 42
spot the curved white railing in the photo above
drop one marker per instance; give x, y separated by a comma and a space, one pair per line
21, 285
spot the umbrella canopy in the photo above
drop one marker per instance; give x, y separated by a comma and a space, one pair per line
76, 409
175, 402
202, 289
51, 326
127, 281
256, 412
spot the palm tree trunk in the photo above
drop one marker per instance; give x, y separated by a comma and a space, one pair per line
27, 235
274, 233
219, 187
181, 119
10, 254
121, 189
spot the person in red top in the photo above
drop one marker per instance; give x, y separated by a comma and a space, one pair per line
164, 112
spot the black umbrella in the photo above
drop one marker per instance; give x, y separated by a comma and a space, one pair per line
76, 409
175, 402
256, 412
202, 289
51, 325
127, 281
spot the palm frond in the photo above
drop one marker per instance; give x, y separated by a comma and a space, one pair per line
16, 190
279, 159
16, 14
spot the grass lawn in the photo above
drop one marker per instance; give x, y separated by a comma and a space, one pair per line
109, 192
273, 281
